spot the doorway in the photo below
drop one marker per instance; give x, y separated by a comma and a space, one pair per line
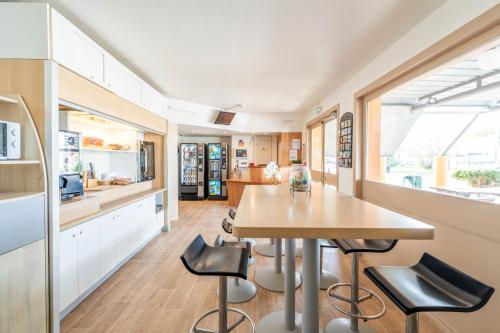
323, 148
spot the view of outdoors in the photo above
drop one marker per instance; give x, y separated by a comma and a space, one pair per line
440, 132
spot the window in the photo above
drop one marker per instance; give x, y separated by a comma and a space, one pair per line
441, 131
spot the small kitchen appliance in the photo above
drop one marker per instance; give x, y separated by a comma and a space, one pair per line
70, 164
10, 140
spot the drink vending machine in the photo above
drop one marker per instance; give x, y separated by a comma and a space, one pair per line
192, 171
217, 171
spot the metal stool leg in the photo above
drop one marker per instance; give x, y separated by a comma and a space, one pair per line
412, 323
222, 310
343, 325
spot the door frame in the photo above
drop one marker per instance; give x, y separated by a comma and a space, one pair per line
331, 114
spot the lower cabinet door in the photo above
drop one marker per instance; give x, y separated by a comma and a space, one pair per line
68, 267
137, 233
107, 244
88, 255
122, 233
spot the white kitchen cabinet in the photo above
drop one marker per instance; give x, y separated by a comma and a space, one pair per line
151, 100
121, 80
160, 219
75, 51
88, 255
122, 221
107, 244
68, 267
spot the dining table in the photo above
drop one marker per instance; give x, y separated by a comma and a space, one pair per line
271, 211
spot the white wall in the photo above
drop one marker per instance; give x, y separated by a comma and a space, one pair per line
186, 113
173, 172
470, 251
24, 31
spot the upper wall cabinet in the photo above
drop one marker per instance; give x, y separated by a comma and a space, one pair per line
151, 99
121, 81
75, 51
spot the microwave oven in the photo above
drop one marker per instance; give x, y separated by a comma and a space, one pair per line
10, 140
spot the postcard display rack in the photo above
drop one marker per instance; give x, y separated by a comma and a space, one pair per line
344, 155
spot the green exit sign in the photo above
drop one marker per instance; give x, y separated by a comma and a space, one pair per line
318, 109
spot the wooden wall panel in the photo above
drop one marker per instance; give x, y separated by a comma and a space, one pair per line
25, 78
75, 89
284, 146
160, 158
22, 289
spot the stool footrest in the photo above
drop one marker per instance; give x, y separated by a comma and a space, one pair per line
360, 315
244, 316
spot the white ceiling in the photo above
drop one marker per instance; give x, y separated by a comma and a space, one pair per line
271, 55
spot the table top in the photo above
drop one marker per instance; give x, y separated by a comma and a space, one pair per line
270, 211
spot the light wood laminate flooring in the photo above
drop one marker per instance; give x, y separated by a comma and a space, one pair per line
154, 293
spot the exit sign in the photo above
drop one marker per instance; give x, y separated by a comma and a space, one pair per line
318, 109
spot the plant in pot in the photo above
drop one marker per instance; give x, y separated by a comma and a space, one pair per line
477, 178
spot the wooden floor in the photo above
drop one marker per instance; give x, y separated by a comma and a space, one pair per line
154, 293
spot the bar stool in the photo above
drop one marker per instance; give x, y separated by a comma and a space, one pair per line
228, 228
326, 278
232, 215
201, 259
429, 286
273, 278
238, 290
356, 246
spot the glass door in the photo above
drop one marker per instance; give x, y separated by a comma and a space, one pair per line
316, 149
323, 150
330, 151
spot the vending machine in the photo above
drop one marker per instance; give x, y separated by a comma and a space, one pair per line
217, 171
192, 171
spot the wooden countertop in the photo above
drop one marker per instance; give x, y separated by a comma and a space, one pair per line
111, 206
269, 211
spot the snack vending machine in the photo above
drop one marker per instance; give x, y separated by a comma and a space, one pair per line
192, 171
217, 166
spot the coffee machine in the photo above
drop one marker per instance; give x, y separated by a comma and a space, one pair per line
70, 164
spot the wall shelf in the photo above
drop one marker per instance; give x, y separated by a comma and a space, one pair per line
17, 162
109, 150
4, 196
4, 99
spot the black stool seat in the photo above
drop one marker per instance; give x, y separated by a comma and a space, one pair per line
365, 245
219, 241
202, 259
431, 285
227, 226
327, 243
232, 213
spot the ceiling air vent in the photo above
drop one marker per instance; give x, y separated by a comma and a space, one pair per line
224, 118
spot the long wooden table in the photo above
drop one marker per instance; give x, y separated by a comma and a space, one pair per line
270, 211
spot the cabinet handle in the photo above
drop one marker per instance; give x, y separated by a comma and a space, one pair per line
81, 232
74, 235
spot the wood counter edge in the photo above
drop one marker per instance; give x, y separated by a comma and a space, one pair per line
111, 206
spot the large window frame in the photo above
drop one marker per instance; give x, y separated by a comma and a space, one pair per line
320, 121
452, 211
